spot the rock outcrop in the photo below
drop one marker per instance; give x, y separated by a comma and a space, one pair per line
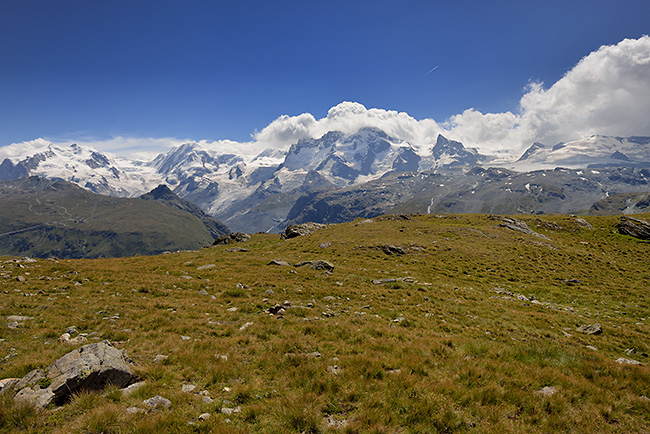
636, 228
91, 367
302, 229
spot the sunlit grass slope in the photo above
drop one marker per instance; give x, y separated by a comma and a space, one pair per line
460, 333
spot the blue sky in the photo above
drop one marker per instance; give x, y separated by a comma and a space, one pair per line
211, 70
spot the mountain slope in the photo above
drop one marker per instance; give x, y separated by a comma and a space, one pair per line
42, 218
493, 191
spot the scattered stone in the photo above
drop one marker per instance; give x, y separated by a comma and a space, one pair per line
332, 422
245, 326
394, 217
13, 325
302, 229
520, 226
634, 227
389, 249
228, 411
135, 410
231, 238
583, 223
21, 279
204, 416
317, 265
394, 371
630, 351
203, 292
185, 338
383, 281
593, 329
279, 262
232, 309
90, 367
325, 245
158, 402
624, 361
71, 330
592, 348
188, 387
205, 267
18, 318
547, 391
160, 358
335, 370
207, 400
237, 249
127, 391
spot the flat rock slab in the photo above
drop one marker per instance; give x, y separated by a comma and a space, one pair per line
91, 367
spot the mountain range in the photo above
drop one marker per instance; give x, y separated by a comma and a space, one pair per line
368, 171
52, 218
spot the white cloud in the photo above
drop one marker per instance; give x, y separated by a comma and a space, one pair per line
607, 92
348, 117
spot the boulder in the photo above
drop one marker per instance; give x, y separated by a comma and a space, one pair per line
633, 227
317, 265
593, 329
231, 238
91, 367
302, 229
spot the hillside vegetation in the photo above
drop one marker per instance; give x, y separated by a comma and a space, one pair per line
426, 324
44, 218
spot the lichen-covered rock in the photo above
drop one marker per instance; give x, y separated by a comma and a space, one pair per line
91, 367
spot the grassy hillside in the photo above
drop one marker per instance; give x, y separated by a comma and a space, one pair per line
44, 218
467, 326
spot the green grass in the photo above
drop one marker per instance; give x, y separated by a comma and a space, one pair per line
444, 350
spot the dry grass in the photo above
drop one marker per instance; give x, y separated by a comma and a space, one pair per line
444, 350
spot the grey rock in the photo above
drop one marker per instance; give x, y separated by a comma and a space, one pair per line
389, 249
207, 400
203, 292
205, 267
302, 229
6, 383
160, 358
134, 410
383, 281
547, 391
188, 387
204, 416
593, 329
634, 227
157, 402
229, 411
624, 361
90, 367
127, 391
279, 262
231, 238
317, 265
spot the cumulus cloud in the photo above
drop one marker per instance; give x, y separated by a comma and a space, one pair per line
607, 92
348, 117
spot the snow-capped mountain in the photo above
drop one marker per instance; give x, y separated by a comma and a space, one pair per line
256, 192
592, 152
84, 166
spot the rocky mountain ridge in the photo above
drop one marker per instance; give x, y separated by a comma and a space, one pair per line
259, 192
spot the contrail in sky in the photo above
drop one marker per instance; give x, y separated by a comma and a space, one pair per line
431, 70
